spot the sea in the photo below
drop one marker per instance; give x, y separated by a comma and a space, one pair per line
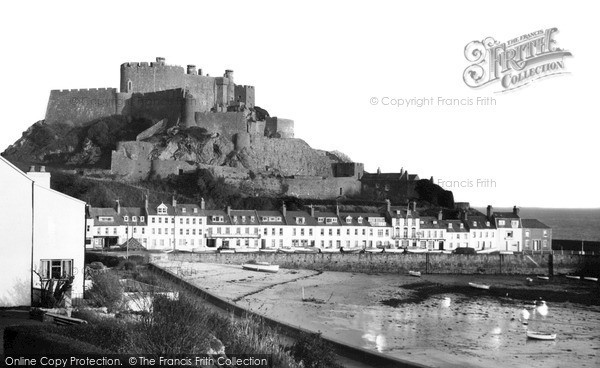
566, 223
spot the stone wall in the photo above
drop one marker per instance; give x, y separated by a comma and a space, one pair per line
132, 160
164, 168
517, 264
323, 188
226, 124
157, 105
284, 128
289, 156
78, 106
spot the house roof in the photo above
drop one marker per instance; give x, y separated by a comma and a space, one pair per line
480, 222
533, 224
244, 217
326, 215
354, 216
456, 226
291, 216
430, 222
210, 213
271, 214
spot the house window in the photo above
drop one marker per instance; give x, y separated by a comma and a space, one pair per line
56, 268
501, 222
195, 210
106, 219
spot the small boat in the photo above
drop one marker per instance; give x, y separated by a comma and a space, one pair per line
268, 250
285, 250
415, 273
591, 278
487, 251
309, 250
394, 250
351, 250
479, 286
541, 335
573, 277
543, 277
416, 250
507, 252
330, 250
261, 266
246, 250
226, 250
374, 250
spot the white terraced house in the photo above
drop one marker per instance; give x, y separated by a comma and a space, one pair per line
189, 227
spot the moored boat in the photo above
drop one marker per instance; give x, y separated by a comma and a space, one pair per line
574, 277
225, 250
373, 250
308, 250
591, 278
541, 335
543, 277
479, 286
267, 250
246, 250
415, 273
351, 250
394, 250
285, 250
261, 266
330, 250
416, 250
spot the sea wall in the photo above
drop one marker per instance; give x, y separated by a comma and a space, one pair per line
517, 264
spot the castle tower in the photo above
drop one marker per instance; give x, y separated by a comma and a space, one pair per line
189, 111
191, 69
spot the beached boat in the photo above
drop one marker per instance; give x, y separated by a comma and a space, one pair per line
330, 250
246, 250
543, 277
351, 250
479, 286
394, 250
374, 250
268, 250
307, 250
487, 251
285, 250
573, 277
261, 266
507, 252
415, 273
226, 250
591, 278
416, 250
541, 335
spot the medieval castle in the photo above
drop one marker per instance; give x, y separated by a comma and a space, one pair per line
174, 98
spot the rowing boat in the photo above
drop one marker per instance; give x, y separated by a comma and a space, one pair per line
479, 286
591, 278
541, 335
543, 277
374, 250
415, 273
261, 266
573, 277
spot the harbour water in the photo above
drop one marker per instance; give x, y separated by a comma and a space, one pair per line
419, 319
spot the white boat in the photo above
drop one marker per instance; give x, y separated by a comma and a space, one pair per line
543, 277
285, 250
507, 252
479, 286
351, 250
267, 250
573, 277
591, 278
416, 250
487, 251
307, 250
246, 250
330, 250
415, 273
261, 266
226, 250
394, 250
373, 250
541, 335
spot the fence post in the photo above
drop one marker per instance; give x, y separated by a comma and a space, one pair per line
426, 262
551, 265
501, 256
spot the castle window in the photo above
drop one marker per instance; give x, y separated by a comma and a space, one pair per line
129, 86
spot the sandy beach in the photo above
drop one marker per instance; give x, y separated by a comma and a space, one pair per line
437, 320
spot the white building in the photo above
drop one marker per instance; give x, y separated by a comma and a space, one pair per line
42, 231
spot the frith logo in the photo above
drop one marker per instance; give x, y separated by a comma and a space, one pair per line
514, 63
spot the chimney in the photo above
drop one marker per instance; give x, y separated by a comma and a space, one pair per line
337, 210
191, 69
312, 211
228, 210
41, 178
283, 209
464, 215
200, 71
415, 206
174, 202
401, 171
378, 170
202, 204
516, 210
489, 211
160, 60
146, 202
388, 205
440, 215
118, 206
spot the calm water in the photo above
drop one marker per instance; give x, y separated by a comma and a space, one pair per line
566, 223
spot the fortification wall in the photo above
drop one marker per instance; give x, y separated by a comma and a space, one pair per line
283, 128
226, 124
245, 95
164, 168
78, 106
322, 188
158, 127
348, 169
157, 105
129, 169
290, 156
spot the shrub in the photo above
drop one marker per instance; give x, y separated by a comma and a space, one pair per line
106, 290
314, 352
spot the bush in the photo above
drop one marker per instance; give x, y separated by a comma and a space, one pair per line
106, 290
314, 352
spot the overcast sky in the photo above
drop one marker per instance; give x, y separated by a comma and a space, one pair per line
321, 63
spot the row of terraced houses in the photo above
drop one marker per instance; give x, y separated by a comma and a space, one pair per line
191, 227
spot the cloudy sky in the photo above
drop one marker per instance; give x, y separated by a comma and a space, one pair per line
331, 67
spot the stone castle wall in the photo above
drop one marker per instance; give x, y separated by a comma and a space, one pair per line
322, 188
75, 106
226, 124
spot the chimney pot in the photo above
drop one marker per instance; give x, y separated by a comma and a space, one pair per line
284, 209
32, 168
202, 204
228, 210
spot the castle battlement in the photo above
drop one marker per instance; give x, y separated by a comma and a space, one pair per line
144, 64
110, 89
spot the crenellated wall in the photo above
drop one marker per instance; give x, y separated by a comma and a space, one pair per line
76, 106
